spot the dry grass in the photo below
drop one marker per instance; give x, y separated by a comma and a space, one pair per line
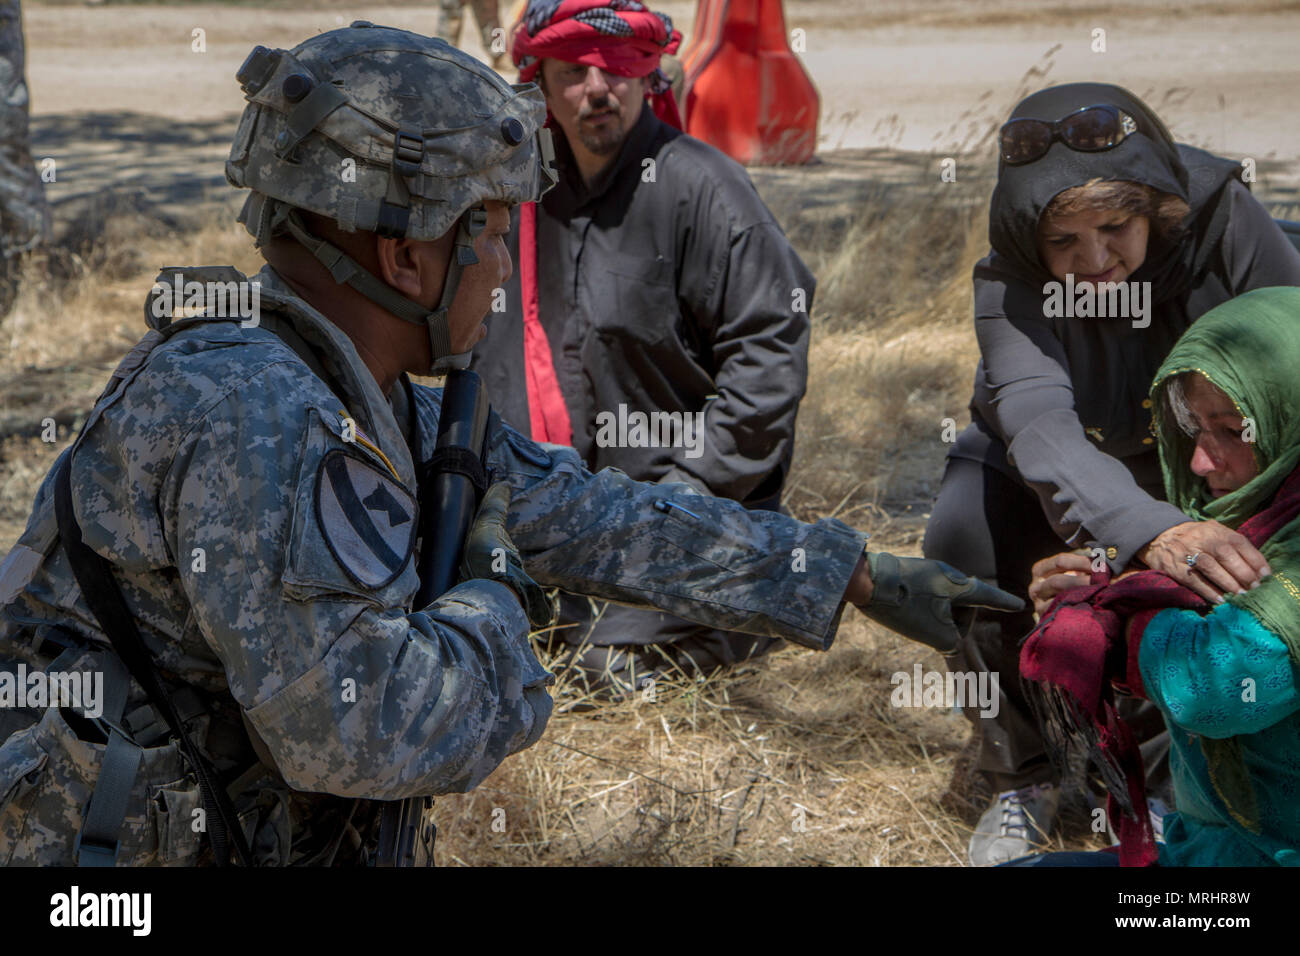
799, 759
81, 308
892, 353
83, 300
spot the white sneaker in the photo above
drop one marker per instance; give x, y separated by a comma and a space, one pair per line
1016, 823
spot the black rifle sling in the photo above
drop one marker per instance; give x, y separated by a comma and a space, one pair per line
457, 461
94, 574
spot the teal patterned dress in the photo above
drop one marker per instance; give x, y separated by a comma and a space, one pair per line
1226, 675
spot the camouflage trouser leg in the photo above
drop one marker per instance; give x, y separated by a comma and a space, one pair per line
451, 14
449, 19
485, 12
24, 214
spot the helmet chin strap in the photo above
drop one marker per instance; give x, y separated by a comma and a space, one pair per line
462, 254
344, 269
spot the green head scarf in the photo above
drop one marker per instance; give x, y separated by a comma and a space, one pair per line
1248, 347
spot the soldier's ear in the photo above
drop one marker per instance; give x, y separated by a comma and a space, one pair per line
415, 268
399, 265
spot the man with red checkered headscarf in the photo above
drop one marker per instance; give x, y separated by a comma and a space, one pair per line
651, 281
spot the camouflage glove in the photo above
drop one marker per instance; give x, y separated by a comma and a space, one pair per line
916, 597
489, 553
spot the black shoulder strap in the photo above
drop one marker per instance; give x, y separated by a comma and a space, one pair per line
95, 576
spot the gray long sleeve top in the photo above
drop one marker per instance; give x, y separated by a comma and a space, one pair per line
1063, 401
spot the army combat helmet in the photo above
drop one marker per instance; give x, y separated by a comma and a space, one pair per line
385, 131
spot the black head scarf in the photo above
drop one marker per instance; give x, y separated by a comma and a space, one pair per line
1149, 156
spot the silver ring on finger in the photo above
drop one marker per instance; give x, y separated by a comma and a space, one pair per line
1192, 559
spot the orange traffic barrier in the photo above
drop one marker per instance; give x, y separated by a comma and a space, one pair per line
746, 92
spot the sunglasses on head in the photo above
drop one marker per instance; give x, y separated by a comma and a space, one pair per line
1088, 130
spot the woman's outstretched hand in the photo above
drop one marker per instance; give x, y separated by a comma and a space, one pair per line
1226, 563
1058, 573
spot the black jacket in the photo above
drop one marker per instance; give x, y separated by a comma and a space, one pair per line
666, 286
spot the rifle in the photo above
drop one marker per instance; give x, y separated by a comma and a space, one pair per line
451, 485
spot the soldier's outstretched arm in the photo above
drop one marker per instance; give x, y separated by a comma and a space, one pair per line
301, 595
664, 545
711, 560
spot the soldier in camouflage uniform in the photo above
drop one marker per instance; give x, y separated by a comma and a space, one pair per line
24, 214
255, 484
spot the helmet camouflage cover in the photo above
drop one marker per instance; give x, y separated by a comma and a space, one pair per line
385, 131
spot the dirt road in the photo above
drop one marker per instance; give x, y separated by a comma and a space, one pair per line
908, 75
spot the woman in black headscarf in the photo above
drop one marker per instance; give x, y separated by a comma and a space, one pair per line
1091, 190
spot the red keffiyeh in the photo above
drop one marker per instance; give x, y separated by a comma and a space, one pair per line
1087, 644
623, 38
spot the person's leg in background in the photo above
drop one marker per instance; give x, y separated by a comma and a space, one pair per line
488, 15
451, 16
450, 13
987, 524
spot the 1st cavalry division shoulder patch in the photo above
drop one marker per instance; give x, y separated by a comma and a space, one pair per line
366, 518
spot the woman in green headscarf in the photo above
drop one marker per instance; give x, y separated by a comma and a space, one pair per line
1227, 420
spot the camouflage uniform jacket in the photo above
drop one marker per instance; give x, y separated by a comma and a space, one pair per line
230, 439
